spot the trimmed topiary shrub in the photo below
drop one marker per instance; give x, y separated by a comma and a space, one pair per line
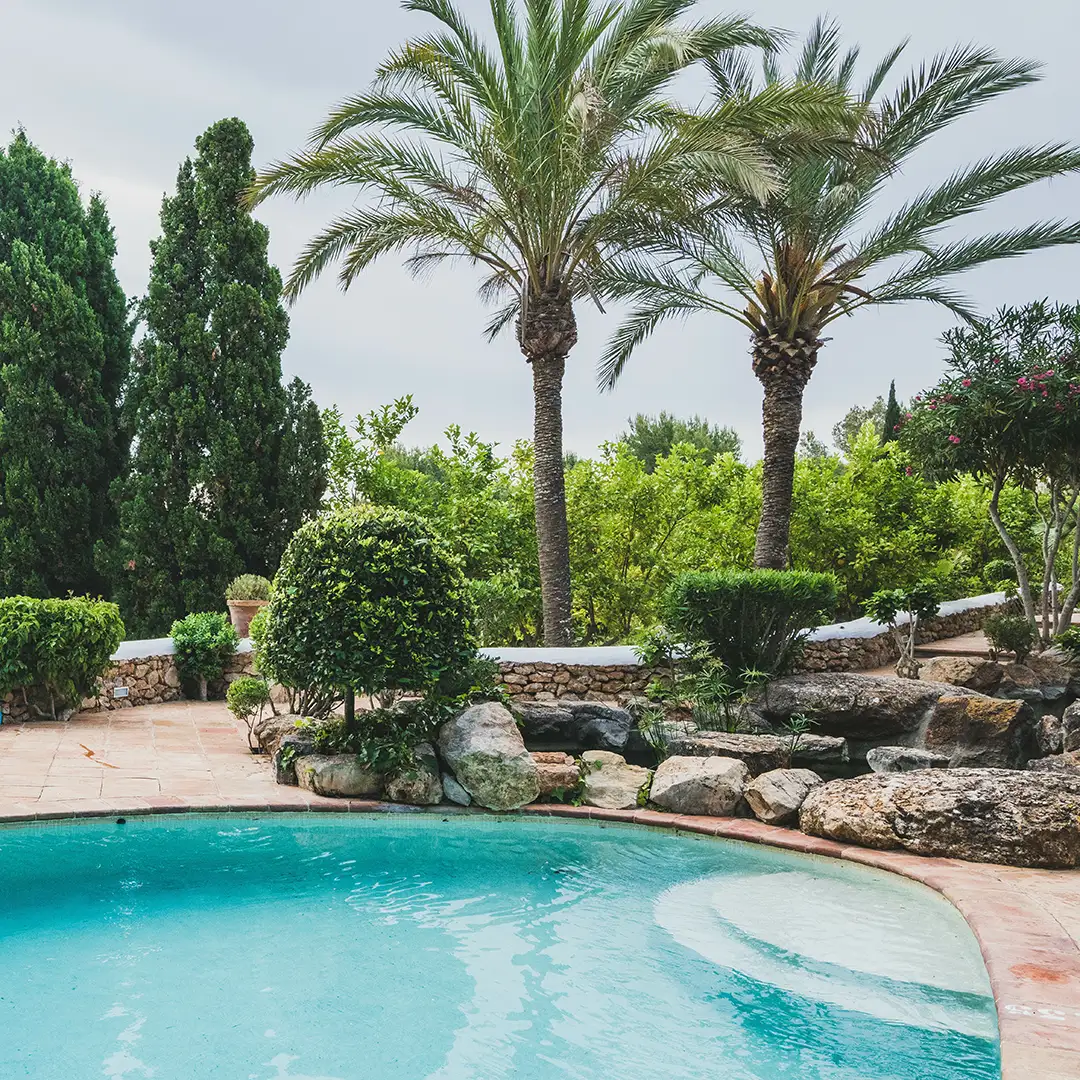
203, 643
1011, 632
751, 620
366, 600
53, 652
248, 587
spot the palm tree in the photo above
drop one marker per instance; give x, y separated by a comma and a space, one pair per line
537, 161
806, 235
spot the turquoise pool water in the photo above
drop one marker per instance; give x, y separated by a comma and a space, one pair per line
308, 947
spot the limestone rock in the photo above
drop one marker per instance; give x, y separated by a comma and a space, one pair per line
485, 751
419, 786
1020, 683
775, 797
1052, 674
454, 792
557, 772
1049, 734
970, 672
1067, 763
762, 753
574, 725
893, 759
293, 745
272, 728
985, 732
868, 708
699, 785
337, 774
1070, 728
983, 815
610, 782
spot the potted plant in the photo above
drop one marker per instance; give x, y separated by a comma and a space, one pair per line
245, 595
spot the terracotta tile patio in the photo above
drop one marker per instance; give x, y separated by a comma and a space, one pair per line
189, 756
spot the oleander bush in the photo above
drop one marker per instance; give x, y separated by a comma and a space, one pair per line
751, 620
203, 643
53, 652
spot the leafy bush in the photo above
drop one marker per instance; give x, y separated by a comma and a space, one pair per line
53, 652
1008, 632
919, 602
999, 572
1069, 643
367, 600
751, 620
248, 587
246, 698
203, 643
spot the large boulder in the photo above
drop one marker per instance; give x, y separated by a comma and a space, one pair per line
892, 759
775, 797
420, 785
292, 746
610, 782
983, 815
970, 672
868, 709
1052, 674
1070, 728
763, 753
271, 729
338, 775
699, 785
1066, 763
574, 725
1049, 734
485, 751
1020, 683
558, 773
975, 731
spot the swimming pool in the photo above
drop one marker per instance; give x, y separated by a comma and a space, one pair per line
407, 947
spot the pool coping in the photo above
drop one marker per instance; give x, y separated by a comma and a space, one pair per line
1032, 960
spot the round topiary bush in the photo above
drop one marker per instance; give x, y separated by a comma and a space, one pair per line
202, 645
367, 599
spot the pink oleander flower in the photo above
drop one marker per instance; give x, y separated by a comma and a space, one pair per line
909, 470
954, 439
931, 406
131, 564
965, 383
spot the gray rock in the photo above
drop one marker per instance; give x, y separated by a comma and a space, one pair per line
454, 792
610, 782
420, 785
775, 797
484, 749
1070, 728
574, 725
1020, 683
970, 672
1066, 763
893, 759
1049, 734
699, 785
762, 753
293, 745
271, 729
984, 815
976, 731
339, 775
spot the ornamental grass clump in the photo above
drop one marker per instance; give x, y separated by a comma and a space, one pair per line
54, 652
367, 600
203, 643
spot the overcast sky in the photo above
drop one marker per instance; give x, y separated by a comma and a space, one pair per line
121, 88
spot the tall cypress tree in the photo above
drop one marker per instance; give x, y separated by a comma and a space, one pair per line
227, 461
892, 416
65, 343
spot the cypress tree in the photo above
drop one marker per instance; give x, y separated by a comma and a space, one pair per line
65, 343
892, 416
227, 461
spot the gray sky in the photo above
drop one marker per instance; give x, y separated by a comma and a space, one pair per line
121, 88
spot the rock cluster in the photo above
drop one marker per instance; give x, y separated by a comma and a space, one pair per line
762, 753
570, 725
573, 682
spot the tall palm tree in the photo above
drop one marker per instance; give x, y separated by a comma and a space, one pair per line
812, 262
537, 160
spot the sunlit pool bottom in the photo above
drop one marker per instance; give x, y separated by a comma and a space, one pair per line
380, 947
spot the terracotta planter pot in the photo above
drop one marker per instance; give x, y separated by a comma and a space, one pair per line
241, 612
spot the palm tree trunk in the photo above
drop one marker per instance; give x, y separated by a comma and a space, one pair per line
547, 331
549, 487
784, 368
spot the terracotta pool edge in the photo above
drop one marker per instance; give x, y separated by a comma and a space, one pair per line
1023, 946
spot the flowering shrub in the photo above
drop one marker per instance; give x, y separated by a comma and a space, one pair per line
1008, 411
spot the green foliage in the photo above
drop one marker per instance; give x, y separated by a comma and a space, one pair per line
248, 587
1008, 632
847, 431
227, 462
651, 437
890, 426
65, 341
203, 643
53, 652
714, 693
920, 600
246, 698
752, 621
367, 599
1069, 643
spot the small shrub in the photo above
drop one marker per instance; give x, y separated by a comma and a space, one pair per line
1069, 644
203, 643
750, 620
1010, 633
367, 600
53, 652
246, 698
999, 573
918, 602
248, 587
